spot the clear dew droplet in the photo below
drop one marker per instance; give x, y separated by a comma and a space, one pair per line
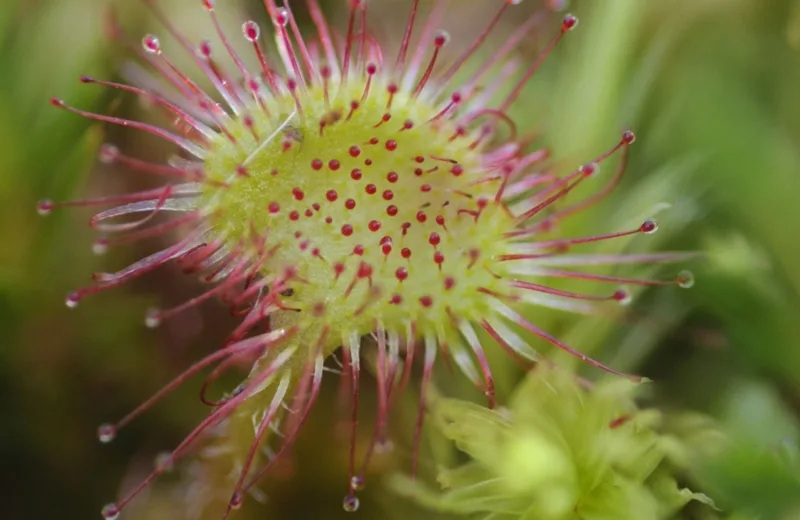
164, 461
384, 446
350, 504
100, 246
106, 433
108, 153
110, 512
357, 482
685, 279
153, 318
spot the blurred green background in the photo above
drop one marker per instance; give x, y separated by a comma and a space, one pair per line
712, 88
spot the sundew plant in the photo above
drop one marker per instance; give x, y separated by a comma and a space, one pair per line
353, 191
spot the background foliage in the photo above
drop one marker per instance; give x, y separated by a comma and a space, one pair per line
711, 88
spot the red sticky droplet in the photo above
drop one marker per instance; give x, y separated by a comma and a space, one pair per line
338, 269
405, 252
569, 22
44, 207
649, 226
316, 164
622, 296
425, 188
589, 169
371, 189
418, 172
368, 162
457, 170
364, 270
396, 299
331, 195
309, 213
386, 249
374, 140
440, 220
251, 30
255, 88
619, 421
151, 44
449, 282
374, 225
347, 230
426, 301
628, 137
438, 257
391, 145
334, 165
421, 216
388, 195
298, 194
205, 49
358, 250
274, 207
434, 239
315, 206
391, 210
349, 204
401, 273
355, 174
392, 177
294, 215
328, 220
355, 151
